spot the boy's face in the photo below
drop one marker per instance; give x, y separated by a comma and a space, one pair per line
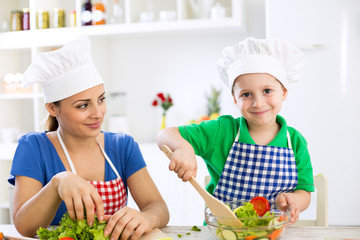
259, 98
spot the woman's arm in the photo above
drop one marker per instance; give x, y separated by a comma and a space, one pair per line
183, 160
153, 210
35, 206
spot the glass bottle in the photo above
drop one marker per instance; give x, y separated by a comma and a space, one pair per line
26, 19
86, 15
98, 13
117, 12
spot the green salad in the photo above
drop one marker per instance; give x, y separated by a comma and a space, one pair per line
75, 229
257, 222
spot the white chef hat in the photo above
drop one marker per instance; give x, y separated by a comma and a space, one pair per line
276, 57
64, 72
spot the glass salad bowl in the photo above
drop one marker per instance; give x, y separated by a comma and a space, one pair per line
251, 226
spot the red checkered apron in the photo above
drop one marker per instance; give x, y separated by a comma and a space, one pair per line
113, 193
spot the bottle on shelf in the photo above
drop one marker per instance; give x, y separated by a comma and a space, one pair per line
117, 12
72, 20
86, 15
98, 13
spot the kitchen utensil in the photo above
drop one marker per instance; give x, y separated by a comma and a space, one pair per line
266, 227
218, 208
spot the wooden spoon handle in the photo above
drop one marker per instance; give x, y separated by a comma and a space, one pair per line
205, 195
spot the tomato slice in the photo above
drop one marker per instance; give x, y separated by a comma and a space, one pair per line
261, 205
66, 238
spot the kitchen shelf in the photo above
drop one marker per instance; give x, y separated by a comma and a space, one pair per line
59, 36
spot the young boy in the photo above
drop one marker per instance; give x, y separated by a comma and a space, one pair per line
256, 154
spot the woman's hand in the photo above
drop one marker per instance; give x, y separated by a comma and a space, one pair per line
127, 223
79, 195
298, 201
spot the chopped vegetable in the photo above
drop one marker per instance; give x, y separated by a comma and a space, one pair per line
195, 229
75, 230
180, 235
66, 238
229, 235
188, 233
261, 205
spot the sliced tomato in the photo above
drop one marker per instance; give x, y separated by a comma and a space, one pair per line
66, 238
261, 205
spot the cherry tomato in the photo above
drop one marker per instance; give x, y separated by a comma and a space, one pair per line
66, 238
261, 205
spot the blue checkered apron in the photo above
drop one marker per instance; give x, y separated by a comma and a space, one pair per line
256, 170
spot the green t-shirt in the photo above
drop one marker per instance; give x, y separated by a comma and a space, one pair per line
213, 139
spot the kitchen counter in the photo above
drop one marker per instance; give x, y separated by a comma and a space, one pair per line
293, 233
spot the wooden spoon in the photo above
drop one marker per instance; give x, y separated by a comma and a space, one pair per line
217, 207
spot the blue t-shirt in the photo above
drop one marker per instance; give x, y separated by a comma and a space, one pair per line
36, 157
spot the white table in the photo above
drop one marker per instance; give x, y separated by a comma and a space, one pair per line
291, 233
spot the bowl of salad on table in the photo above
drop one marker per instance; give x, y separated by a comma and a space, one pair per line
257, 219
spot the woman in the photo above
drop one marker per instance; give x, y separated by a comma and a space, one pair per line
74, 166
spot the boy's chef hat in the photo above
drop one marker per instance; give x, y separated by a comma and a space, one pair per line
278, 58
64, 72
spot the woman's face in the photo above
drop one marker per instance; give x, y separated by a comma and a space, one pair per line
82, 114
259, 98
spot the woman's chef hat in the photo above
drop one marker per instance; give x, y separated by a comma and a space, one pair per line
278, 58
64, 72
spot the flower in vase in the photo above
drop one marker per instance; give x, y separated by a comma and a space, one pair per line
165, 102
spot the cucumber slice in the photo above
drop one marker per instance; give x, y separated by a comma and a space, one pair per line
229, 235
274, 222
261, 238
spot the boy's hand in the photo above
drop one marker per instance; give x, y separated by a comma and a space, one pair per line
283, 200
183, 163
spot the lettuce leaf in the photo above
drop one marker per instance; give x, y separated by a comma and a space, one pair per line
78, 230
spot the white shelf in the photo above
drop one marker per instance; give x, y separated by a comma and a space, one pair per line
59, 36
7, 151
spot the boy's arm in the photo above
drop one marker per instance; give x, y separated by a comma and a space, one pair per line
183, 160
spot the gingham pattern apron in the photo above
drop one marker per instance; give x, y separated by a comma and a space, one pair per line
113, 193
257, 170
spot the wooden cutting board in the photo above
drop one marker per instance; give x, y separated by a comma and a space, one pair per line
153, 235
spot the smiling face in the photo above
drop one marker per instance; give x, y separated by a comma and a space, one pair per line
259, 98
82, 114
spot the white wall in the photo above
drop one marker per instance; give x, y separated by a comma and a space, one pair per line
324, 105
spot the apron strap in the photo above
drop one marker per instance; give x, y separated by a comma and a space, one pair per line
66, 152
287, 134
71, 163
108, 159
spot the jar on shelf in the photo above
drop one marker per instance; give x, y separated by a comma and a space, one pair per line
98, 13
42, 19
25, 19
59, 18
16, 20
